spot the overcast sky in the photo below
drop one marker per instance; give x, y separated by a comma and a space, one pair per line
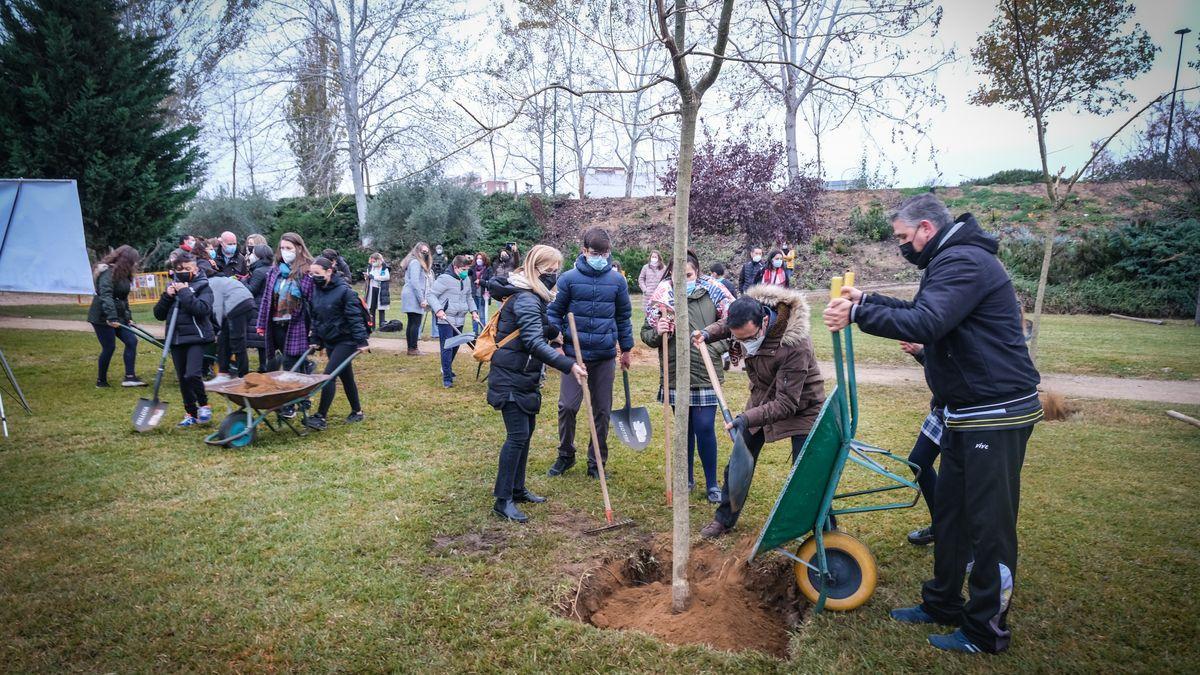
969, 141
974, 141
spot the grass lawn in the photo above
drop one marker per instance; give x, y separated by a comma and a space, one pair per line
372, 547
1079, 344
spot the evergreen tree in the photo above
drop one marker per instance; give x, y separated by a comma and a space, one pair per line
82, 98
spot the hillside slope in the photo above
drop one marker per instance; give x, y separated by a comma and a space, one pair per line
835, 245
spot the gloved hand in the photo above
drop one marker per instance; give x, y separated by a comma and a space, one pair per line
740, 424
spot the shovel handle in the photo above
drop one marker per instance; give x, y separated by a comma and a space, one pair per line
162, 364
625, 381
716, 385
587, 399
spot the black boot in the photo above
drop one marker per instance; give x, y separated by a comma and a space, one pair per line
528, 497
560, 466
509, 511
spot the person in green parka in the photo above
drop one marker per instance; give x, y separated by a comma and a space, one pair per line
706, 304
109, 312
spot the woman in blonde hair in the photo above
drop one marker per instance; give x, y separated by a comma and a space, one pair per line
417, 266
523, 338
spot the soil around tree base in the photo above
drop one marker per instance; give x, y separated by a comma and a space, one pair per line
735, 606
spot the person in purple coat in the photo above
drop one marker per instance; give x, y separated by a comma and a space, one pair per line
283, 311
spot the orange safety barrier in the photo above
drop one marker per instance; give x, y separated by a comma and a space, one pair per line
146, 288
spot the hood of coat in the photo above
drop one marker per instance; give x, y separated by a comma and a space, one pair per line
792, 320
501, 288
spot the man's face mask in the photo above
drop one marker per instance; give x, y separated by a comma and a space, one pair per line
184, 276
753, 344
229, 249
757, 257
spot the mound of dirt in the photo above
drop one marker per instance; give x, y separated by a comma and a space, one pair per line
735, 606
257, 384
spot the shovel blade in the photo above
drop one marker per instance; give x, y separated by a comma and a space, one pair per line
459, 340
632, 427
148, 414
741, 472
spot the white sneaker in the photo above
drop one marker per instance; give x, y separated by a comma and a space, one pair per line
221, 377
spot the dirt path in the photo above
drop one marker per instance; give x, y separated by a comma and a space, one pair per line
1071, 386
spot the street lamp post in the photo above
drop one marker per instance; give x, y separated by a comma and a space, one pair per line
1171, 116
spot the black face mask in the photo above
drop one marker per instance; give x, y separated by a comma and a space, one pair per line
549, 279
327, 281
183, 277
909, 253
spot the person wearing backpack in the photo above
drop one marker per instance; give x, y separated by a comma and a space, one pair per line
338, 325
451, 299
189, 291
523, 336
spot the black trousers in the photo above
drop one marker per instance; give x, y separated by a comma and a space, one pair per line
279, 331
514, 454
975, 512
923, 454
108, 336
754, 443
375, 308
412, 332
570, 397
231, 343
189, 369
338, 353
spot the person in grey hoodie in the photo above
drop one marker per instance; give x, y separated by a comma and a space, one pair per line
233, 306
451, 299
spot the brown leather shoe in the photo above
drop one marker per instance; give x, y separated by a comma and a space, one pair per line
713, 530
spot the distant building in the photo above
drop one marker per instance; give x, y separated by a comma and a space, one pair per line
491, 187
841, 185
609, 181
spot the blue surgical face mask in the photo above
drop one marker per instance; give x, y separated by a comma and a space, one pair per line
691, 286
777, 264
598, 262
212, 254
229, 249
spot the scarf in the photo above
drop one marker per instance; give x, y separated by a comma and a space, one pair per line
662, 301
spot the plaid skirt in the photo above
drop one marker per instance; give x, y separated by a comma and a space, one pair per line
933, 425
697, 397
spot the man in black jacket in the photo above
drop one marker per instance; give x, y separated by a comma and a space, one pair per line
966, 314
751, 269
229, 261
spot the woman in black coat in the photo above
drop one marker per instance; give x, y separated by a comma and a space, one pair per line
193, 333
337, 325
523, 339
258, 266
110, 311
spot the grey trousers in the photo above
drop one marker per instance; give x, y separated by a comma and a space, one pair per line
570, 397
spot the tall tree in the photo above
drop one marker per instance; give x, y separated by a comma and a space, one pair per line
81, 98
867, 58
312, 118
1039, 57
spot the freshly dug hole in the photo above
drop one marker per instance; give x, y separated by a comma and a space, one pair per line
734, 607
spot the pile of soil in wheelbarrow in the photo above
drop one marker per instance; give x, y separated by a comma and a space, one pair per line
735, 607
258, 384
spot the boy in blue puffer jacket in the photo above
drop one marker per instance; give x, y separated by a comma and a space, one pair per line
598, 296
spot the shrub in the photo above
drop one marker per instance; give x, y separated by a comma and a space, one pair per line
428, 209
632, 260
872, 225
323, 222
734, 191
507, 217
210, 216
1009, 177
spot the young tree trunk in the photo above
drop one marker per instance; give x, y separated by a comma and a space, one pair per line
681, 546
1051, 229
1198, 306
789, 132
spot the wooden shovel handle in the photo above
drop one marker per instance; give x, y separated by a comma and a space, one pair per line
587, 400
716, 384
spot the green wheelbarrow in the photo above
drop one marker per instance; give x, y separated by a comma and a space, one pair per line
833, 569
238, 428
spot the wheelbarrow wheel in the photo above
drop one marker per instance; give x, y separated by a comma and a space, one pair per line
235, 423
852, 569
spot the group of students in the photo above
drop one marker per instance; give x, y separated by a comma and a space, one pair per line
283, 302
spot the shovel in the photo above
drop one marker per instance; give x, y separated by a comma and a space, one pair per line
147, 413
587, 400
632, 424
740, 469
458, 340
138, 332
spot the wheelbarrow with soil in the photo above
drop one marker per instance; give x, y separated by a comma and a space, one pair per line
259, 396
833, 569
